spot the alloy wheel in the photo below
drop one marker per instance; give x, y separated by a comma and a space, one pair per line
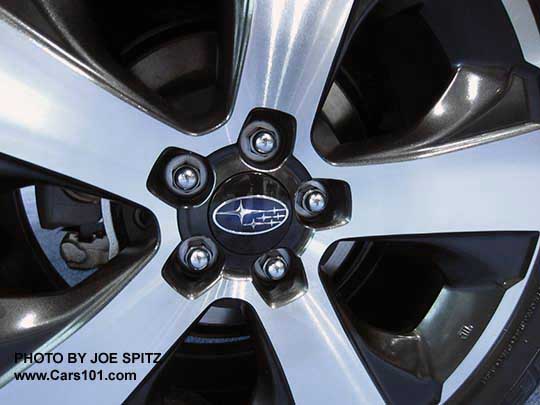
409, 245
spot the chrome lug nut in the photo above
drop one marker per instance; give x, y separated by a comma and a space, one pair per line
275, 268
198, 258
186, 178
264, 142
314, 201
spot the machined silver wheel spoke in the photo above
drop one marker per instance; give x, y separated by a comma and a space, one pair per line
297, 40
490, 187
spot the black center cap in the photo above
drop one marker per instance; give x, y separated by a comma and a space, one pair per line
250, 213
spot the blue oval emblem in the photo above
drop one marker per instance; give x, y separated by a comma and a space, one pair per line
250, 215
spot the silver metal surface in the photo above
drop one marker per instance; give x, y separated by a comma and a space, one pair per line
198, 258
275, 268
522, 18
52, 116
315, 201
264, 142
186, 177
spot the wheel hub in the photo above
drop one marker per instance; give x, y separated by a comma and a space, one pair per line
249, 212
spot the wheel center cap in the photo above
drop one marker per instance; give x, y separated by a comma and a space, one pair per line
248, 213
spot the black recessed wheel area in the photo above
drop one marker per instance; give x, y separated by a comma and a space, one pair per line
214, 362
103, 246
134, 51
395, 295
409, 83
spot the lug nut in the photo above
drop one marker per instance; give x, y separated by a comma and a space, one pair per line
264, 142
314, 201
186, 178
275, 268
198, 258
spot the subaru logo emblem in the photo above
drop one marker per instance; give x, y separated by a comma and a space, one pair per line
250, 215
